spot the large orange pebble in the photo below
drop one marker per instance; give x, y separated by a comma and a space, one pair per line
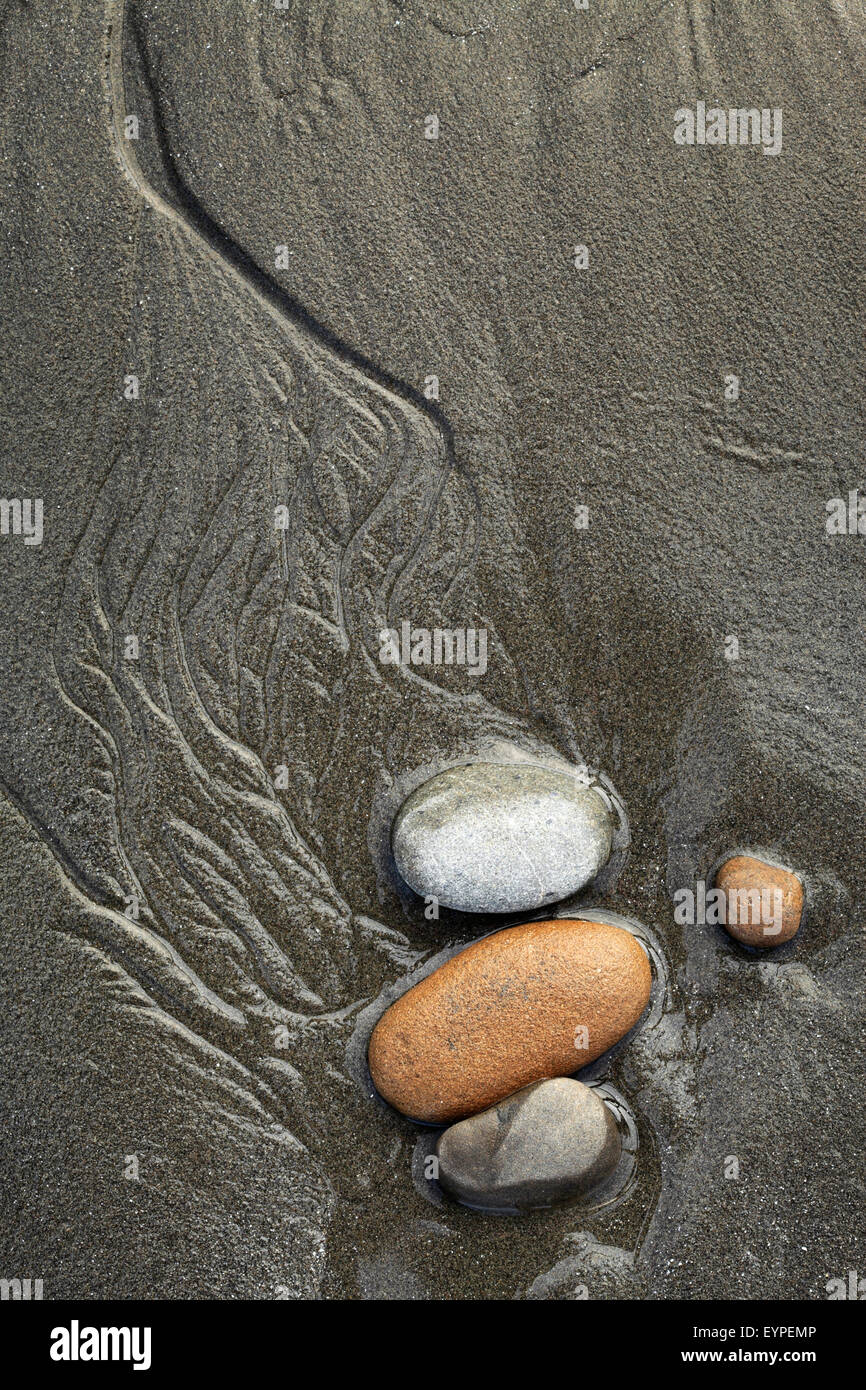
763, 903
531, 1002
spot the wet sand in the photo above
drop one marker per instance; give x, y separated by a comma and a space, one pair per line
232, 782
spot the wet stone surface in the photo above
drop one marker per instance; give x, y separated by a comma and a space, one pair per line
497, 838
764, 902
521, 1005
547, 1143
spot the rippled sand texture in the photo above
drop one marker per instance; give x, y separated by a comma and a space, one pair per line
236, 779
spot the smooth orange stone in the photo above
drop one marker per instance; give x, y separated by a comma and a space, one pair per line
531, 1002
745, 875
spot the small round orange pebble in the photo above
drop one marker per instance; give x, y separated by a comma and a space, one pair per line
754, 894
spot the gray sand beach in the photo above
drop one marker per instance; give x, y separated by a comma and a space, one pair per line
326, 317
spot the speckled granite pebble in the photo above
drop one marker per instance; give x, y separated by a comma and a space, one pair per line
487, 837
523, 1004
